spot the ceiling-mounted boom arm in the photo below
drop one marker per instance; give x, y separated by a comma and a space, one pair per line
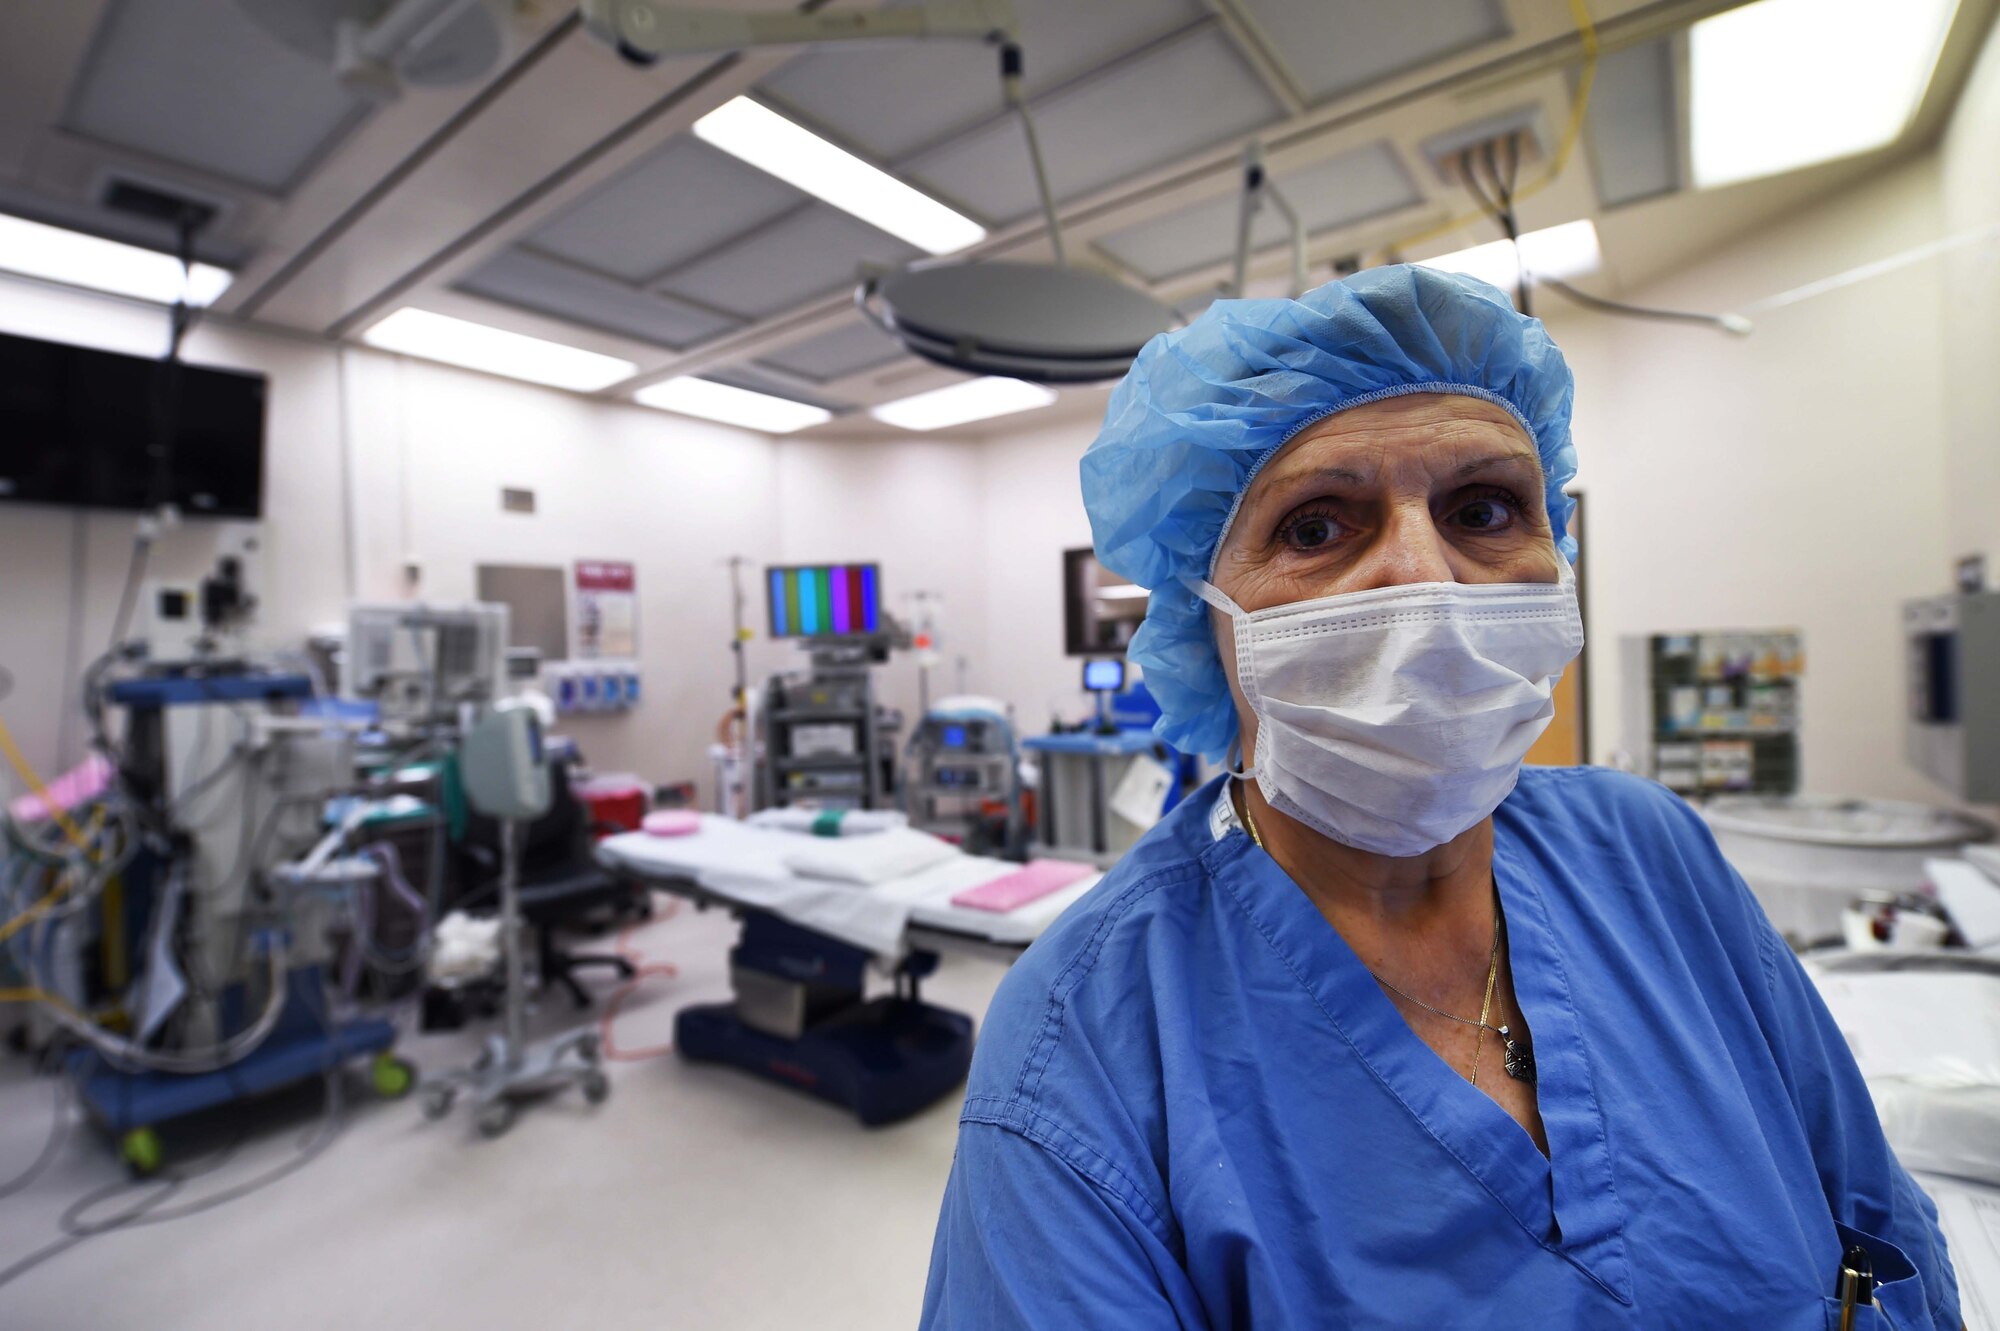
646, 30
1257, 187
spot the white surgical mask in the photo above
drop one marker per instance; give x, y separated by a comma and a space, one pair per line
1393, 720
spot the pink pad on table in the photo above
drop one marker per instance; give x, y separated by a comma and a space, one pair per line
672, 822
1037, 879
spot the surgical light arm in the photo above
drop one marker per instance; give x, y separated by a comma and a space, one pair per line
646, 30
1257, 187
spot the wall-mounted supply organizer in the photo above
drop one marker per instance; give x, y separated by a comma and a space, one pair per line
1716, 710
593, 686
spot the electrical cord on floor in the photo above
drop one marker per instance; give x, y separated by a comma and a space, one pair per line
58, 1134
152, 1209
642, 971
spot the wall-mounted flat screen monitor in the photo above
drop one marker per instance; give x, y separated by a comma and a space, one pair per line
1101, 611
1103, 676
103, 430
825, 600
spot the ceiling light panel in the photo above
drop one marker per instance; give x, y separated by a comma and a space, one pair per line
666, 209
848, 349
1782, 84
1330, 50
553, 287
1562, 252
808, 254
794, 154
476, 346
892, 100
199, 83
66, 256
731, 405
1634, 134
963, 403
1176, 99
1366, 182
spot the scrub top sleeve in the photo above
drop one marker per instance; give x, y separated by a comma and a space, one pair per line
1027, 1240
1866, 1187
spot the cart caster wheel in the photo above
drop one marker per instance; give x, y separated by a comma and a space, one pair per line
496, 1118
393, 1077
596, 1087
437, 1102
588, 1047
141, 1151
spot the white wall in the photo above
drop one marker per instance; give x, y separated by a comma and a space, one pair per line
909, 503
1971, 190
1797, 477
1032, 512
1792, 478
420, 453
431, 449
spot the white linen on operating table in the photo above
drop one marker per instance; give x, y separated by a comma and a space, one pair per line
745, 867
869, 860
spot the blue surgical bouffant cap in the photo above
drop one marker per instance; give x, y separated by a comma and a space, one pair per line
1204, 407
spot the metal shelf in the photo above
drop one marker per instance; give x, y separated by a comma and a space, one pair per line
821, 762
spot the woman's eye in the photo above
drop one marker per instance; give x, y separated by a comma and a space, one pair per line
1485, 515
1310, 533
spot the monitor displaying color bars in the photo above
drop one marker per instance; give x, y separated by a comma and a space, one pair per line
825, 601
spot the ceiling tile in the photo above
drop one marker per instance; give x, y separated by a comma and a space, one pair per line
891, 100
1634, 125
848, 349
664, 210
1333, 47
199, 83
549, 286
1180, 98
1356, 185
811, 253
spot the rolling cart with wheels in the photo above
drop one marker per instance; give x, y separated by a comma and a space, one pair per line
506, 778
129, 1106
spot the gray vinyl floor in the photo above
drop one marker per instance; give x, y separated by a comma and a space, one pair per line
695, 1197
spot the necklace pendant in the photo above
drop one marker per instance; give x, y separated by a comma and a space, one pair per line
1520, 1058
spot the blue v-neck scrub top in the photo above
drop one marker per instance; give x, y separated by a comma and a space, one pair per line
1192, 1107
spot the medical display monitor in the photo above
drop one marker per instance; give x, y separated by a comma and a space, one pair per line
1103, 676
825, 601
97, 429
1101, 610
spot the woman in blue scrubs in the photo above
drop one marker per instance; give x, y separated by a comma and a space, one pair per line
1383, 1029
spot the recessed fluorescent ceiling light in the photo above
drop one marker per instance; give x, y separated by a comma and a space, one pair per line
797, 156
973, 400
732, 406
415, 332
1561, 252
1782, 84
104, 265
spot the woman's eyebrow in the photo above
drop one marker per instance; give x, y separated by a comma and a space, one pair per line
1509, 458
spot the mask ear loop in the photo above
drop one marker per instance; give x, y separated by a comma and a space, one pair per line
1232, 757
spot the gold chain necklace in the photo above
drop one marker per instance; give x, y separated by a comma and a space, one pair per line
1520, 1059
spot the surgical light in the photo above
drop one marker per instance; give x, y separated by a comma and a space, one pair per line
766, 140
732, 406
73, 258
1782, 84
1050, 323
1562, 252
477, 346
973, 400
